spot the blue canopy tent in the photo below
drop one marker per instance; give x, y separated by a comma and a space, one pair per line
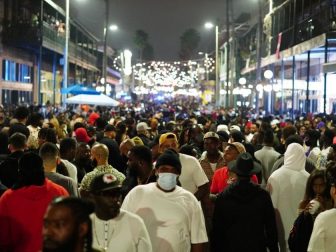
79, 89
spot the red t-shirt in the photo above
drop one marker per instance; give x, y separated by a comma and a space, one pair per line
21, 216
220, 180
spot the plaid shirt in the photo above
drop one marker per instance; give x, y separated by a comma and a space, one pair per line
85, 184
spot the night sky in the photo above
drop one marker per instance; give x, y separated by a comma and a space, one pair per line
164, 21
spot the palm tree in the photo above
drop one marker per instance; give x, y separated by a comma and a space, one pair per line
140, 41
189, 43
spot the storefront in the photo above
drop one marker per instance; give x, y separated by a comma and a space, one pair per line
16, 82
299, 83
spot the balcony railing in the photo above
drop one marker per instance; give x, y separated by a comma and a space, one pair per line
310, 22
57, 40
23, 34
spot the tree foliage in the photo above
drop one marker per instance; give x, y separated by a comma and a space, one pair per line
141, 41
148, 53
189, 43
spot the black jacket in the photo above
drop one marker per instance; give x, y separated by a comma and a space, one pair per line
9, 168
114, 154
244, 220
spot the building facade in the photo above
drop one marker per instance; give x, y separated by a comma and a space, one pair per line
297, 45
32, 49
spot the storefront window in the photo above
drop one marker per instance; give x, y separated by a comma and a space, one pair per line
12, 71
9, 70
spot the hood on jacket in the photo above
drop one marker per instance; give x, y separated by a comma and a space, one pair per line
295, 158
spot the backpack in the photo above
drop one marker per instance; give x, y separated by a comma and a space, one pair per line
299, 236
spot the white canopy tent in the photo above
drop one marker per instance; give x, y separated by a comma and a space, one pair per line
102, 100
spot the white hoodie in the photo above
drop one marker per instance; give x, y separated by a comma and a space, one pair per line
287, 186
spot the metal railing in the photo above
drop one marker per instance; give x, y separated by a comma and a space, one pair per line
75, 51
300, 25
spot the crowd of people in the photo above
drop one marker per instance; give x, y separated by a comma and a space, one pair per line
165, 179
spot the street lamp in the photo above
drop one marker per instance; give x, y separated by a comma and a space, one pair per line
209, 25
242, 81
112, 27
268, 74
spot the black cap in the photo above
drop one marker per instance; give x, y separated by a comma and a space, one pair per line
169, 157
104, 182
244, 165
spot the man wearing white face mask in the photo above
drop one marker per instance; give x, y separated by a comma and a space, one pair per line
172, 215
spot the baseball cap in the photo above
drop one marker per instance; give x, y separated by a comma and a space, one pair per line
211, 134
137, 140
141, 126
92, 118
104, 182
239, 146
248, 124
166, 136
275, 122
223, 127
235, 127
81, 135
320, 125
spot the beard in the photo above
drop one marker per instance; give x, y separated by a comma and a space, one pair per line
94, 163
68, 245
132, 172
86, 163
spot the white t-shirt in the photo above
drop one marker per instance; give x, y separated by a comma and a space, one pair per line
72, 170
192, 175
323, 238
213, 166
127, 232
174, 220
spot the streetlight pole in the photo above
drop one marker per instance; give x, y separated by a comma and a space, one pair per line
206, 67
66, 48
104, 74
218, 103
227, 102
259, 48
209, 25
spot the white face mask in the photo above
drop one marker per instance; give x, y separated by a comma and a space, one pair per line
167, 181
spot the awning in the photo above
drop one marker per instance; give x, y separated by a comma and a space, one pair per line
102, 100
79, 89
